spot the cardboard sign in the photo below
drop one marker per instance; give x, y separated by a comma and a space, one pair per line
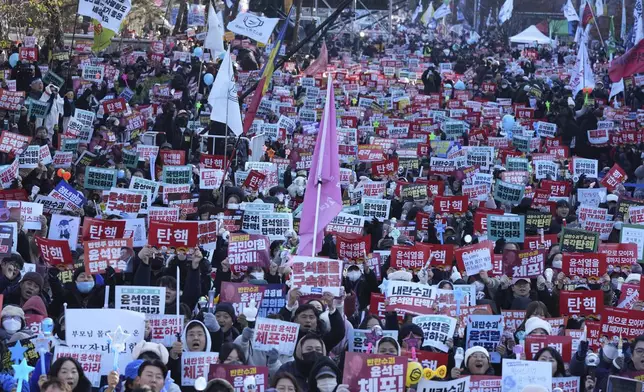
409, 297
167, 235
374, 372
144, 299
315, 275
99, 254
271, 333
54, 252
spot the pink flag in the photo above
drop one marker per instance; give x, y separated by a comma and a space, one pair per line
325, 173
319, 65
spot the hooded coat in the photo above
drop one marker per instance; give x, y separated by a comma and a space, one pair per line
315, 370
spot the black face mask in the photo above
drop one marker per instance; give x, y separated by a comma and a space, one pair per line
156, 264
305, 364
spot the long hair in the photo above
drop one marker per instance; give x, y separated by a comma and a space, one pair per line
561, 369
84, 385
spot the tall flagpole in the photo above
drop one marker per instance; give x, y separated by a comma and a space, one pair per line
596, 25
318, 175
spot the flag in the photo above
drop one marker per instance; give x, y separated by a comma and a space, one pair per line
102, 37
319, 65
325, 174
269, 66
109, 20
570, 13
587, 16
223, 97
638, 27
622, 33
628, 63
506, 11
582, 73
215, 37
616, 88
418, 10
489, 20
428, 14
254, 105
611, 45
599, 8
254, 27
442, 11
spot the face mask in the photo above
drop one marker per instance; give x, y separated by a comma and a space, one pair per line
327, 384
609, 351
234, 363
618, 225
232, 206
257, 275
156, 264
85, 287
479, 286
280, 197
354, 275
308, 359
11, 325
556, 264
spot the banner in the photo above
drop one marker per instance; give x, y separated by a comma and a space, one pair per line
627, 64
247, 250
271, 333
371, 372
143, 299
99, 254
409, 297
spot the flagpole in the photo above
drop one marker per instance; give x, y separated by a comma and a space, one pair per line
596, 25
318, 175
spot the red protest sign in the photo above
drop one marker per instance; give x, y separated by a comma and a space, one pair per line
524, 113
54, 252
523, 264
28, 54
11, 100
371, 372
431, 360
173, 234
629, 295
536, 242
99, 254
352, 247
584, 265
441, 256
212, 161
173, 157
619, 255
557, 188
235, 375
377, 304
581, 302
13, 142
384, 168
112, 106
254, 179
370, 153
100, 229
409, 257
534, 343
485, 384
240, 294
13, 194
480, 218
621, 323
615, 176
450, 204
248, 250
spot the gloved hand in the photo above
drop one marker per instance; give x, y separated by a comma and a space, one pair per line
272, 356
541, 283
247, 334
210, 321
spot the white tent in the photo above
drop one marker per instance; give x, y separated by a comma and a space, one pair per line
531, 35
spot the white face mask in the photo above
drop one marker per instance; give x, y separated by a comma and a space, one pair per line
556, 263
327, 384
354, 275
618, 225
11, 326
257, 275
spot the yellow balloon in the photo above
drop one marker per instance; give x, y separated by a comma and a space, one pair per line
428, 373
414, 373
441, 372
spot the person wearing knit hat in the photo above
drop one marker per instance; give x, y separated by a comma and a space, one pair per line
147, 351
537, 326
13, 325
226, 317
633, 279
476, 361
30, 285
387, 346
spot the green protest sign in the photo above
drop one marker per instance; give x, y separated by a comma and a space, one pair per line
130, 158
36, 108
177, 175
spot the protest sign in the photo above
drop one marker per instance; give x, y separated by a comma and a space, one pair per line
177, 175
346, 224
63, 227
30, 157
375, 208
475, 258
619, 255
505, 192
584, 265
271, 333
240, 295
247, 250
485, 331
371, 372
353, 248
13, 142
578, 241
410, 257
74, 199
100, 178
88, 329
54, 252
409, 297
143, 299
11, 100
437, 329
509, 227
562, 344
581, 303
458, 385
276, 225
168, 235
566, 384
30, 214
615, 176
99, 254
210, 178
621, 323
512, 319
164, 328
523, 373
315, 275
195, 365
136, 230
90, 361
583, 166
523, 264
633, 234
274, 299
63, 159
235, 375
123, 202
139, 183
101, 229
485, 384
360, 339
450, 204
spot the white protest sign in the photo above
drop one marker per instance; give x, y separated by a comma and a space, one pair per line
359, 339
523, 373
459, 385
135, 229
30, 214
164, 328
591, 196
87, 329
585, 166
437, 329
143, 299
271, 333
63, 227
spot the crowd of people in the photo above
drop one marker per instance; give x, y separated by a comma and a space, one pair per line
491, 227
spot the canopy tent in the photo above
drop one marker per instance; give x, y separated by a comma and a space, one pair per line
531, 35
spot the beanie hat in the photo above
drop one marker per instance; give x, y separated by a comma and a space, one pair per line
228, 308
388, 339
631, 277
536, 323
475, 349
132, 369
145, 347
12, 311
34, 277
400, 275
408, 328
